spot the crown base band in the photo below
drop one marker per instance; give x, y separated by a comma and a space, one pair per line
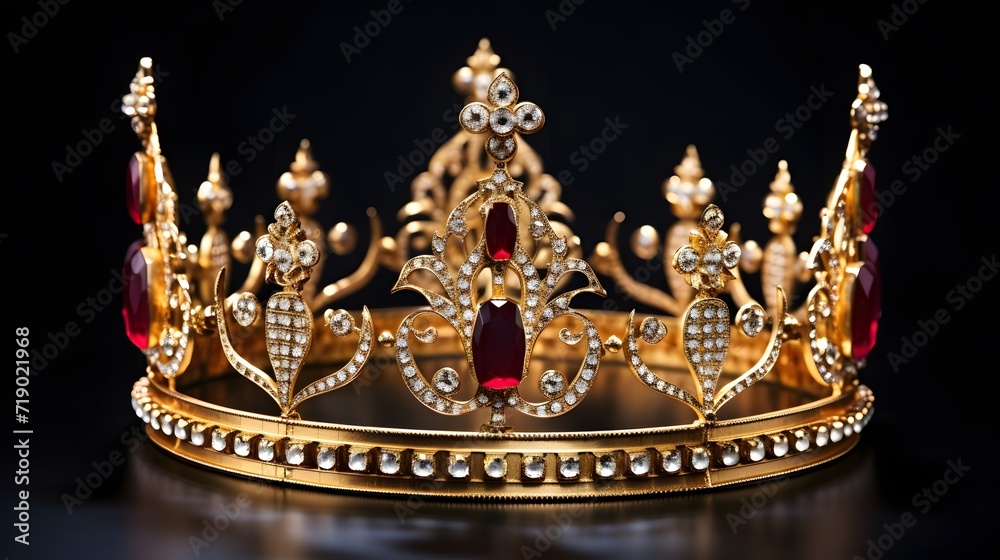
527, 466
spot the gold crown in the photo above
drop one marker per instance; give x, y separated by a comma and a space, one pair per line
499, 280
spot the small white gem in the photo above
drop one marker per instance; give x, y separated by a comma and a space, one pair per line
534, 467
423, 465
606, 466
458, 467
672, 461
639, 463
700, 458
283, 260
357, 461
388, 462
801, 440
837, 432
569, 467
265, 450
730, 455
779, 445
326, 458
687, 259
822, 436
218, 440
496, 467
295, 454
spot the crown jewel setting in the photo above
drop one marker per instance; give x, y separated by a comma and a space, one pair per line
499, 329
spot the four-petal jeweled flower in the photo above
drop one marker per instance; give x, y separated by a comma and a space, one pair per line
708, 262
501, 117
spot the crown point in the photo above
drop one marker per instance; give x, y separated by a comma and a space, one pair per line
864, 71
214, 168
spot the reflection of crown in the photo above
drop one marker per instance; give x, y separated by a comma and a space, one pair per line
499, 279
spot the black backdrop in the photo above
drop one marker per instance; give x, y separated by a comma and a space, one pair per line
225, 68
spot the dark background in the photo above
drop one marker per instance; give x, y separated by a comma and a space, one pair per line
223, 75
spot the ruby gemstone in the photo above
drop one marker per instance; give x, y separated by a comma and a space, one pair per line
866, 307
501, 231
133, 190
498, 344
869, 205
135, 296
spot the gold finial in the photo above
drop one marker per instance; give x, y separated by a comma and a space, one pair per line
782, 206
214, 195
867, 111
474, 80
304, 185
689, 190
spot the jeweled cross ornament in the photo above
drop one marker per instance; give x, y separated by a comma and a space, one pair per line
502, 117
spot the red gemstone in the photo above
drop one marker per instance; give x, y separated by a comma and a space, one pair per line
866, 307
498, 344
869, 205
135, 296
133, 190
501, 231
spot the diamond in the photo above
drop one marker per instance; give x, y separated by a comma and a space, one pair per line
284, 215
283, 260
672, 461
822, 436
446, 380
475, 117
569, 467
529, 117
731, 255
198, 435
779, 445
458, 466
241, 445
295, 454
755, 449
700, 458
801, 440
552, 383
265, 450
639, 463
502, 121
711, 263
730, 454
687, 259
326, 458
218, 440
534, 467
306, 253
606, 466
837, 432
496, 467
357, 460
388, 462
423, 465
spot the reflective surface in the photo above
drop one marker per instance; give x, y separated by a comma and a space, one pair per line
168, 509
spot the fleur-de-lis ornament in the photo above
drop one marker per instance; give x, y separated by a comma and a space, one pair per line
706, 264
288, 321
